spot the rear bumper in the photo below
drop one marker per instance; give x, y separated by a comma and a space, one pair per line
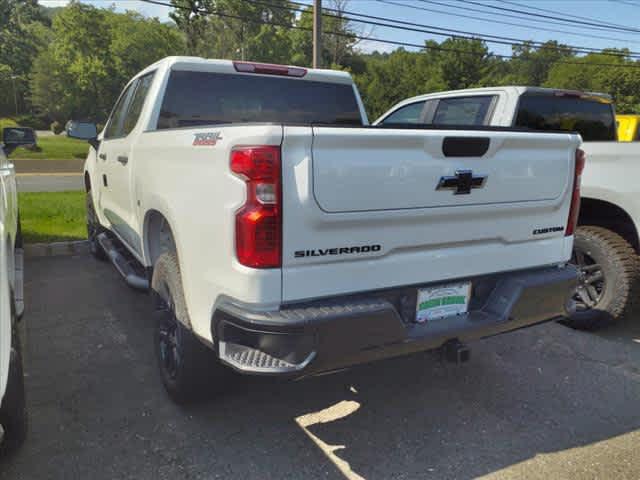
319, 336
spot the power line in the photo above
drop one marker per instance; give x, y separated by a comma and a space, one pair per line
628, 3
466, 8
432, 29
494, 21
379, 40
516, 4
540, 15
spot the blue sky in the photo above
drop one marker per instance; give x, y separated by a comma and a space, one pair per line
455, 14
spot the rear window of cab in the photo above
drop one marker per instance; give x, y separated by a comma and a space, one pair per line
593, 119
204, 98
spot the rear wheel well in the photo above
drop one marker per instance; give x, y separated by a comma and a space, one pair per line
607, 215
87, 182
158, 236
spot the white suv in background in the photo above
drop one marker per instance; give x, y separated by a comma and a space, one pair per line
607, 240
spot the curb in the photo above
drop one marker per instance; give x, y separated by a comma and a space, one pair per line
70, 166
56, 249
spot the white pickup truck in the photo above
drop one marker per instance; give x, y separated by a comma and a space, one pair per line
13, 417
282, 235
607, 241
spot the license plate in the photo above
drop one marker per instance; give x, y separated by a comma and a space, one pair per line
442, 301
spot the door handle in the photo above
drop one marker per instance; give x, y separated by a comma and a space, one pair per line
103, 156
123, 160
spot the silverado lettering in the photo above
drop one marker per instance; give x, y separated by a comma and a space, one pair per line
337, 251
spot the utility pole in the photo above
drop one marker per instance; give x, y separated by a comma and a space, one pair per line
15, 92
317, 33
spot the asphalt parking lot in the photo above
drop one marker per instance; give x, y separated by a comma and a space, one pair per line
546, 403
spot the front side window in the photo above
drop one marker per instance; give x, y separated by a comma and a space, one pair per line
115, 126
137, 102
411, 113
463, 110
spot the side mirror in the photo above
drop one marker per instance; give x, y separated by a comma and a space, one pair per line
83, 131
13, 137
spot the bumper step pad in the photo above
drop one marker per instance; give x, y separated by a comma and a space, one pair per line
244, 358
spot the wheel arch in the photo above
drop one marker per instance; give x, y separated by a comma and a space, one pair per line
608, 215
158, 235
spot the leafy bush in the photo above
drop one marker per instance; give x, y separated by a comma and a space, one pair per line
7, 122
32, 121
57, 127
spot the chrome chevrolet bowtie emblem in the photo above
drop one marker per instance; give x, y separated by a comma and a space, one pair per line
462, 182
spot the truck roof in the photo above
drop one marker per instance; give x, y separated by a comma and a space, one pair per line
200, 64
519, 89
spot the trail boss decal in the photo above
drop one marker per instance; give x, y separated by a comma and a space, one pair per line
208, 139
321, 252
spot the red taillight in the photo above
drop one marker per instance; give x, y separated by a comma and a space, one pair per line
575, 197
269, 69
259, 221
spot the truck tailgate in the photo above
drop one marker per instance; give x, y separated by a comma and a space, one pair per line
368, 208
355, 170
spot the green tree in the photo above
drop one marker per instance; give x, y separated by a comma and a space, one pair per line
619, 78
20, 40
339, 37
450, 65
463, 62
235, 28
93, 53
531, 65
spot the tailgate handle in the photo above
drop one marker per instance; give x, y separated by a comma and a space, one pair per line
465, 146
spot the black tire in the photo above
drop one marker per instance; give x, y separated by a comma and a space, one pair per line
190, 371
609, 278
13, 412
19, 242
93, 230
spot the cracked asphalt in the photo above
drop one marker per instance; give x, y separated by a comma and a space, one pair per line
546, 402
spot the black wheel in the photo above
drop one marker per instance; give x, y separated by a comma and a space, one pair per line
608, 278
13, 412
190, 371
93, 229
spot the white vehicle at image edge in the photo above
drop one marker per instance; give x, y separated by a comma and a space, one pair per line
607, 241
280, 234
13, 417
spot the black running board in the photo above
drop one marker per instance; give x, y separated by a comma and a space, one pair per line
126, 265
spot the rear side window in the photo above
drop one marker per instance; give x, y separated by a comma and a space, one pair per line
137, 102
594, 120
202, 98
463, 110
408, 114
